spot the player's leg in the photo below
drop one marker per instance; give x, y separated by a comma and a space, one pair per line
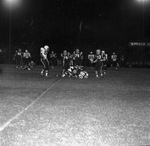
43, 68
96, 74
17, 62
104, 67
20, 62
64, 69
63, 72
96, 70
116, 65
28, 64
91, 65
46, 68
101, 69
53, 62
25, 63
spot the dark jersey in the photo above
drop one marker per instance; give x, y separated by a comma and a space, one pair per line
98, 58
19, 55
91, 57
26, 55
78, 59
66, 59
114, 57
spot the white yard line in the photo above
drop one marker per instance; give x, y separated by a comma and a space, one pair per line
25, 109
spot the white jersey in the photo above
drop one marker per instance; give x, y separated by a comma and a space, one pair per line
104, 57
19, 54
43, 53
26, 55
91, 57
114, 57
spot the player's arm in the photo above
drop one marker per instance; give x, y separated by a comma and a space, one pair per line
112, 57
106, 57
24, 54
101, 58
94, 60
81, 55
42, 55
29, 55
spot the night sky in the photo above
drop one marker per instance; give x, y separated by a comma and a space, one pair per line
76, 21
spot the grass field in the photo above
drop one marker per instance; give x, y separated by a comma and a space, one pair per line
55, 111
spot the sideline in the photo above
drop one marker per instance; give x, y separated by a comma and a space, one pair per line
25, 109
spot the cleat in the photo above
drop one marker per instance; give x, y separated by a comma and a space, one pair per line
46, 74
102, 75
63, 75
97, 76
42, 73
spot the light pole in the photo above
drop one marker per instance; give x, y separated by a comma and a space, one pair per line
10, 4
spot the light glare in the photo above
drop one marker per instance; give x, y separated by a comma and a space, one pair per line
11, 3
143, 1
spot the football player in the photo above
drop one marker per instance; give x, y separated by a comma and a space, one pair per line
98, 63
122, 61
27, 59
114, 60
71, 59
78, 57
44, 59
91, 59
19, 57
66, 62
104, 60
31, 64
53, 57
15, 57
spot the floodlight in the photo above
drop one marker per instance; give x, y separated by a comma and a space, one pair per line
143, 1
11, 3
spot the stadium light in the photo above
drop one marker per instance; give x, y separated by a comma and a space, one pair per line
143, 0
11, 3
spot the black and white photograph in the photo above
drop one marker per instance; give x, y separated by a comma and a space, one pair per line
74, 72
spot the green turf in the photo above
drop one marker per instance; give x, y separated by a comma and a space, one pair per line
112, 111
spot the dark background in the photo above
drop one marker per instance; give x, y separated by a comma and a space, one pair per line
69, 24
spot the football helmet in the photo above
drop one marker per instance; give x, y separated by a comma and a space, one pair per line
46, 47
98, 51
